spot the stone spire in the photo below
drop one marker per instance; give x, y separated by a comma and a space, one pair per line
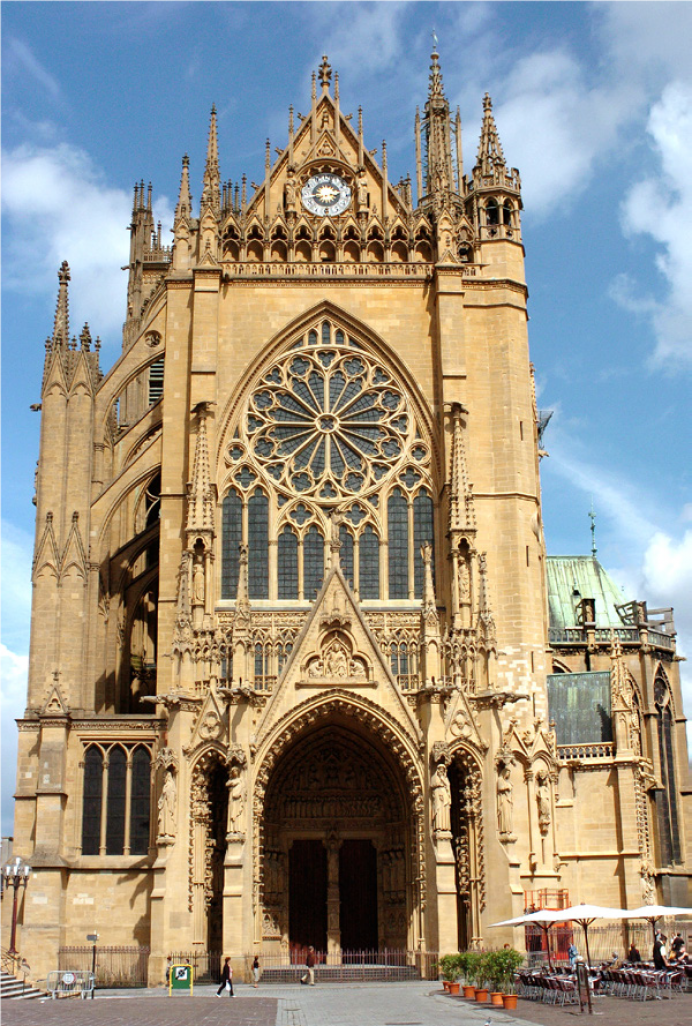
211, 180
437, 134
462, 515
490, 155
61, 325
184, 207
200, 508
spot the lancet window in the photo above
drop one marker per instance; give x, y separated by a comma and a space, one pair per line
329, 436
116, 800
667, 798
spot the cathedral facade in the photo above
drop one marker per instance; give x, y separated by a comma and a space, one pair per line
301, 671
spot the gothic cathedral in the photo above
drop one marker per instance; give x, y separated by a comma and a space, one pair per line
301, 671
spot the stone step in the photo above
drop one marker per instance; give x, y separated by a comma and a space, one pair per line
12, 988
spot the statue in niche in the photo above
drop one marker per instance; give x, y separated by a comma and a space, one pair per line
441, 800
362, 190
335, 662
543, 802
290, 191
198, 580
504, 801
235, 801
166, 806
464, 587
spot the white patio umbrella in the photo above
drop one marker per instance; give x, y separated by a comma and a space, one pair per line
652, 913
584, 915
543, 918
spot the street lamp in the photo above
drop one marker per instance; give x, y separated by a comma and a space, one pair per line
16, 875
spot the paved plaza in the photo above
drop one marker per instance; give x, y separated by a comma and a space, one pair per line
365, 1004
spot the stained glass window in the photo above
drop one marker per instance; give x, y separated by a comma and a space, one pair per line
140, 802
116, 801
422, 532
93, 796
313, 563
397, 510
287, 564
667, 799
231, 537
258, 546
346, 553
369, 564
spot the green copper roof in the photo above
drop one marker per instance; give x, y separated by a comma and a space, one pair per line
573, 578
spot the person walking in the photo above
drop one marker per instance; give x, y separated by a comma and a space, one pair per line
256, 972
309, 977
658, 953
226, 979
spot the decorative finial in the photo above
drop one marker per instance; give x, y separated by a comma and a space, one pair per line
434, 37
592, 518
487, 102
325, 73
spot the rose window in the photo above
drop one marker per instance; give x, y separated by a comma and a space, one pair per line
327, 421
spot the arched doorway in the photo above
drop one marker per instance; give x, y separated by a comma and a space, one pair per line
338, 844
467, 842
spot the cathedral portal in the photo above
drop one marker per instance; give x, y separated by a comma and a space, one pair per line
337, 830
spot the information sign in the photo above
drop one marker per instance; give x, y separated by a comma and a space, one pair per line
180, 978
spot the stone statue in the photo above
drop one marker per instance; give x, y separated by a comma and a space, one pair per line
290, 192
166, 806
504, 802
441, 799
543, 802
198, 581
235, 801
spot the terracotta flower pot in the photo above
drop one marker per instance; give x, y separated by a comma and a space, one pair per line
470, 992
454, 988
509, 1001
446, 984
496, 998
481, 994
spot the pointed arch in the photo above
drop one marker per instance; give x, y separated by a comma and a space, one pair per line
372, 343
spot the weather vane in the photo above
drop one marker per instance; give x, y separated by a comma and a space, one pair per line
434, 35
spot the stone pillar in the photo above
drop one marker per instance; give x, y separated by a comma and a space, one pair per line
333, 845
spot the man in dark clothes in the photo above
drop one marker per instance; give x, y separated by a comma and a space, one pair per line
659, 959
633, 953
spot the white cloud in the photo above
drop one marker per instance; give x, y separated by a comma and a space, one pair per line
365, 37
23, 58
58, 206
660, 207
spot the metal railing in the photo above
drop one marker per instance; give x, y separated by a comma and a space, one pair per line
62, 983
386, 964
125, 966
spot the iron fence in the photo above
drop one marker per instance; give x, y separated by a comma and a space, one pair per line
342, 966
115, 966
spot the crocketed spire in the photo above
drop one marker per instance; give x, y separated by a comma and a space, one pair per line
184, 207
211, 180
61, 326
490, 155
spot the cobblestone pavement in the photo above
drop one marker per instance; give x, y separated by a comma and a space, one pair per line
365, 1004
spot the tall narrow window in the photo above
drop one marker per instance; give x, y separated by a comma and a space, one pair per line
231, 537
140, 802
313, 563
155, 381
116, 801
369, 564
422, 532
93, 796
258, 546
397, 510
346, 553
667, 797
288, 564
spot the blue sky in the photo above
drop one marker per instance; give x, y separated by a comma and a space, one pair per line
594, 106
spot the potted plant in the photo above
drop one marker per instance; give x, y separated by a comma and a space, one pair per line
468, 964
508, 961
481, 977
449, 969
493, 971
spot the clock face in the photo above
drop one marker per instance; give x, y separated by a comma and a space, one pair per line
326, 194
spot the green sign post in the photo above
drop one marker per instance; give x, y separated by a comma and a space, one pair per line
180, 978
